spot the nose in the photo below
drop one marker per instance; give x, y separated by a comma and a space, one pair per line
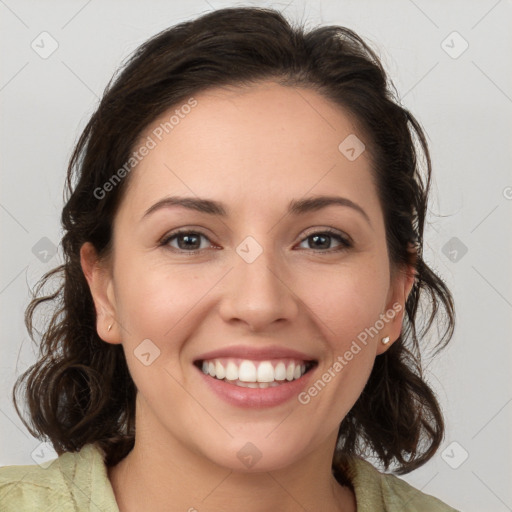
259, 293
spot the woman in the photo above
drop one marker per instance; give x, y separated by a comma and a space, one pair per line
236, 326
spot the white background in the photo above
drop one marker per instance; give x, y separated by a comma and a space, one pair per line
463, 103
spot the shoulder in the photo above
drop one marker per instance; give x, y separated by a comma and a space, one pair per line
70, 483
376, 491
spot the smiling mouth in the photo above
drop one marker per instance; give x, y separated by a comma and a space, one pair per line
255, 374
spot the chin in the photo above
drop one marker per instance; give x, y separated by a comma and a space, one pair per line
256, 453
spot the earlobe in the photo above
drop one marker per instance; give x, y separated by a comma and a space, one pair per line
99, 278
384, 344
404, 281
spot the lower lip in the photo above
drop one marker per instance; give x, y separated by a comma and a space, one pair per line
257, 397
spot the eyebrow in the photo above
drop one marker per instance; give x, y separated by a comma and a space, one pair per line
295, 207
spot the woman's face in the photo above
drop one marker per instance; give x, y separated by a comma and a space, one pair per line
258, 291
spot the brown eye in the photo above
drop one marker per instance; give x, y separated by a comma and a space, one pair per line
190, 241
187, 241
322, 240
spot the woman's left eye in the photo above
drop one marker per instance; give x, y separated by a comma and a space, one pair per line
190, 241
322, 238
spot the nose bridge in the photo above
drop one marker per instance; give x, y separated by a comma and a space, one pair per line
254, 267
257, 267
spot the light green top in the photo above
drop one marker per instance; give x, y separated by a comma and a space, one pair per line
78, 482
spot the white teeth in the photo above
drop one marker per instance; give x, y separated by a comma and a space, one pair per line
253, 374
280, 372
265, 372
231, 371
220, 373
247, 371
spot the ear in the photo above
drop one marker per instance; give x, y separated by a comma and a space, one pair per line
403, 280
99, 278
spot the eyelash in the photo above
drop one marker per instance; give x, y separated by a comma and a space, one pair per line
327, 231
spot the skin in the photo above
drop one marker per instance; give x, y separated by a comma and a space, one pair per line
293, 295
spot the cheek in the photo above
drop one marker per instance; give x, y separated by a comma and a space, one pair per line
151, 299
155, 306
345, 306
348, 304
346, 301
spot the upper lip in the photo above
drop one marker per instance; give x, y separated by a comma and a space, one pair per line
255, 353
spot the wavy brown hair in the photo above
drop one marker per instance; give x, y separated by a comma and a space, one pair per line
80, 390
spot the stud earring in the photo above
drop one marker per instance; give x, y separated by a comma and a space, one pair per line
109, 327
385, 340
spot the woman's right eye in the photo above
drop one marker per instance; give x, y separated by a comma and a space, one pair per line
187, 241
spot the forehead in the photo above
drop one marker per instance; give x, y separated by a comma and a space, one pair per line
265, 142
